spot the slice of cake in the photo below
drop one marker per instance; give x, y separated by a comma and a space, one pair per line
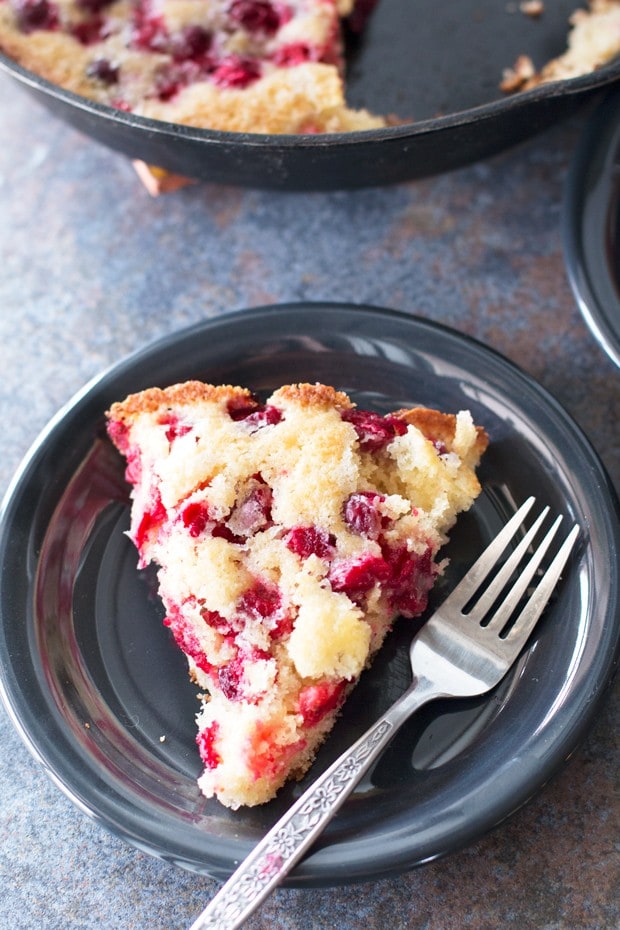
271, 66
289, 535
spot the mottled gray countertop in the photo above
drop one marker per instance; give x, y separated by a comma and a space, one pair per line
92, 268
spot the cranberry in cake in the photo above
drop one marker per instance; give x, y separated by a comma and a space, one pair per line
289, 536
273, 66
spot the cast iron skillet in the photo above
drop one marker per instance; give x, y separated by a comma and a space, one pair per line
437, 65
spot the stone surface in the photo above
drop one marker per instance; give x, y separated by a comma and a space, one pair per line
93, 268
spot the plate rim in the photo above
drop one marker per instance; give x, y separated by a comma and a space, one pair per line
308, 873
589, 189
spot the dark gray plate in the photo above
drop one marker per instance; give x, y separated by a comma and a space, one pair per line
81, 640
437, 66
591, 225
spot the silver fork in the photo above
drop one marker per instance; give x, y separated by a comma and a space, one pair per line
456, 654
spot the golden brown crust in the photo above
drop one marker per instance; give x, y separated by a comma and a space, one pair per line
439, 426
434, 424
312, 395
184, 394
191, 392
307, 98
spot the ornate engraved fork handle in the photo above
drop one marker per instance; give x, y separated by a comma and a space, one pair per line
294, 833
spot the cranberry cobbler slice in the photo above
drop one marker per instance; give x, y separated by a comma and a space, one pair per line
289, 535
271, 66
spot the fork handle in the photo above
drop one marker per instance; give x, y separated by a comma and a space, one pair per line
284, 845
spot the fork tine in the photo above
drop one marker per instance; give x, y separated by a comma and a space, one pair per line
525, 622
503, 612
488, 599
485, 563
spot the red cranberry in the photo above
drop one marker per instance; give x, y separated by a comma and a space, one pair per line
263, 602
356, 576
206, 740
402, 564
224, 532
267, 757
295, 53
93, 6
196, 517
215, 620
174, 427
230, 677
192, 43
412, 579
402, 582
316, 701
283, 627
133, 472
363, 515
305, 541
236, 72
36, 14
170, 79
241, 407
103, 70
374, 431
88, 32
148, 30
151, 519
266, 416
119, 434
187, 640
252, 412
175, 431
253, 513
255, 15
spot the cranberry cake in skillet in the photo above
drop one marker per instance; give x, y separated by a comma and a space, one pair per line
289, 536
266, 66
272, 66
